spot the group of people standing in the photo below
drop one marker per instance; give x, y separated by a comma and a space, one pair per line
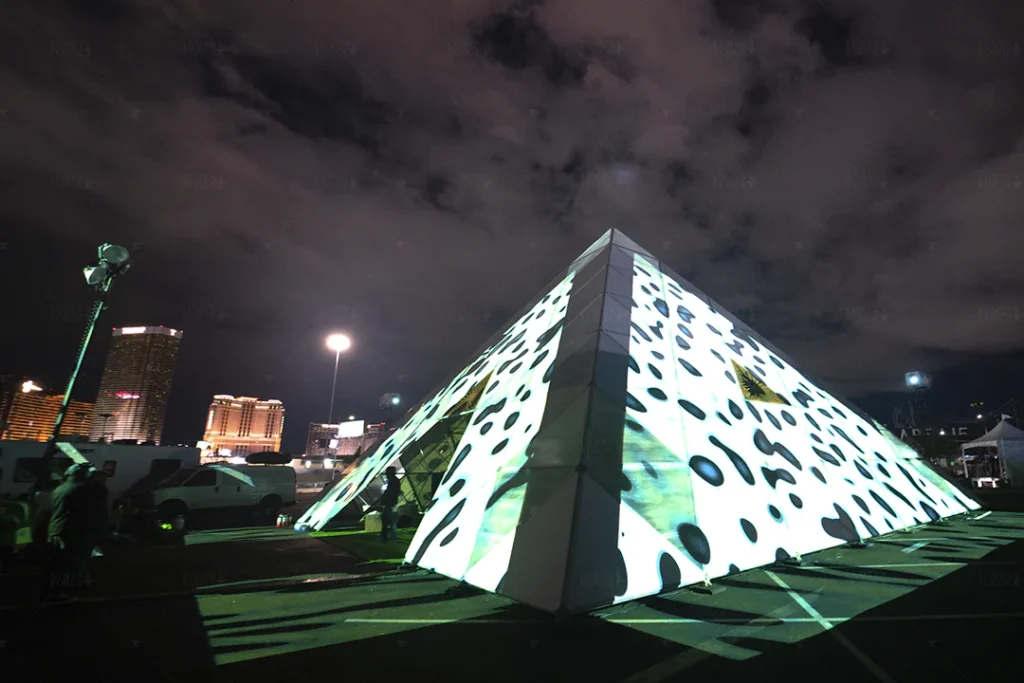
78, 521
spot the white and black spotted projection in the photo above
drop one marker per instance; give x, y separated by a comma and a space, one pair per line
634, 438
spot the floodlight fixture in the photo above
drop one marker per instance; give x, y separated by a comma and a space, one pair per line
113, 254
94, 275
917, 380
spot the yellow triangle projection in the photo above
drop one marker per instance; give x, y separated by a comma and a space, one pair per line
754, 388
469, 401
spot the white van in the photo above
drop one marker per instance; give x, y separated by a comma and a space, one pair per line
221, 487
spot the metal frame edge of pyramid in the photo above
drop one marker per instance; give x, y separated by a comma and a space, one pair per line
635, 438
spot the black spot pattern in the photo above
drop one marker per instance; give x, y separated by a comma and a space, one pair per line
774, 476
486, 428
883, 504
633, 364
778, 363
899, 495
736, 347
681, 343
695, 542
860, 503
445, 522
753, 411
500, 447
689, 368
669, 571
734, 457
639, 331
633, 404
632, 425
839, 453
930, 511
795, 500
692, 409
863, 472
749, 529
789, 418
657, 393
723, 419
489, 410
802, 397
456, 462
658, 355
449, 538
661, 306
817, 438
685, 330
914, 483
848, 439
825, 413
526, 395
715, 331
511, 420
883, 470
781, 555
736, 411
872, 531
684, 314
456, 487
813, 422
826, 456
717, 355
774, 512
765, 445
842, 527
728, 376
649, 468
707, 470
771, 418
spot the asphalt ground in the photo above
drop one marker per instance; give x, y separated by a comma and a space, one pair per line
943, 602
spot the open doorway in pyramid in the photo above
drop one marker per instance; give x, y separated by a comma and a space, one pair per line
625, 436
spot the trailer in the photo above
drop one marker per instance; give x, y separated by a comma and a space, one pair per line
129, 469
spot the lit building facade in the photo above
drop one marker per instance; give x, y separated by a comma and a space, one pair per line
244, 425
28, 413
136, 384
342, 441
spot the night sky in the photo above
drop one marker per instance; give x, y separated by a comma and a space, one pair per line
847, 177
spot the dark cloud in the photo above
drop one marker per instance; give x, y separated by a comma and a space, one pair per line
848, 175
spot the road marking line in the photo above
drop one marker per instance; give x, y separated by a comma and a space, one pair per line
983, 515
705, 649
826, 625
916, 546
770, 621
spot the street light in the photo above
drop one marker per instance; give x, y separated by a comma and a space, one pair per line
111, 262
336, 343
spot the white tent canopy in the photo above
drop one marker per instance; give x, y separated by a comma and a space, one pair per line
1009, 441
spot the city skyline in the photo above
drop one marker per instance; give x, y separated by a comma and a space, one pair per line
844, 177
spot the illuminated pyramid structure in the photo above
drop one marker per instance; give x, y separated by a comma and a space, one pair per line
626, 436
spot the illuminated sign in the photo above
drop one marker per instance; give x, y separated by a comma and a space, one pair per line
132, 330
127, 395
348, 430
30, 386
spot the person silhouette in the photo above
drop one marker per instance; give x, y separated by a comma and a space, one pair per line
388, 501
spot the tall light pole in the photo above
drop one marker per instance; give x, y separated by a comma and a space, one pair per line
112, 261
336, 343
